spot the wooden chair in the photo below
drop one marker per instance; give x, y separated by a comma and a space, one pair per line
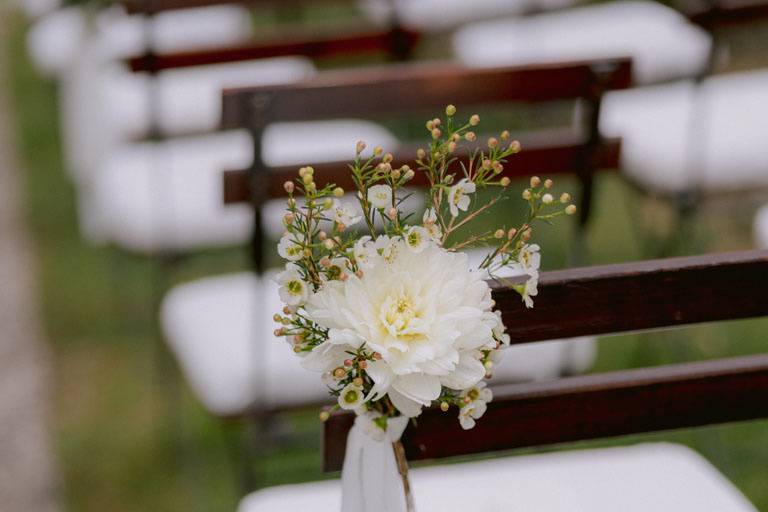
594, 300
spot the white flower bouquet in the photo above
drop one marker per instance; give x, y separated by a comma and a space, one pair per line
395, 319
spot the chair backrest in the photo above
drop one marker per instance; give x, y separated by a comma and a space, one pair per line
394, 41
403, 89
600, 300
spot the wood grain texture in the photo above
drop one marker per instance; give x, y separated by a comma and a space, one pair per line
557, 153
315, 47
587, 407
640, 295
403, 88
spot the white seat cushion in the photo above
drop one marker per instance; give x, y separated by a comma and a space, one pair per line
54, 40
660, 41
221, 331
106, 105
680, 136
37, 8
642, 478
169, 196
216, 325
761, 228
442, 14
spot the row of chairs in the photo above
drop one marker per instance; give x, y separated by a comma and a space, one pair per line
160, 198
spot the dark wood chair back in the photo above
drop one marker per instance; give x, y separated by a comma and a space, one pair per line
600, 300
403, 89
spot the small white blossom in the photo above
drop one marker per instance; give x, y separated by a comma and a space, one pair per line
479, 396
430, 224
345, 214
529, 259
364, 252
289, 249
380, 196
387, 247
293, 290
530, 289
351, 397
417, 238
458, 198
471, 412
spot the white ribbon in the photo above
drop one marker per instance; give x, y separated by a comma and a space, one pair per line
370, 481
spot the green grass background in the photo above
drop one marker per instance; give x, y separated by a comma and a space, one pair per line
124, 443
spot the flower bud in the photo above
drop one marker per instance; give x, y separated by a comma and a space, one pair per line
277, 318
324, 415
339, 373
302, 171
279, 332
570, 209
526, 194
515, 146
444, 406
565, 197
409, 174
322, 235
287, 310
498, 167
311, 188
548, 183
297, 339
377, 151
392, 213
376, 356
505, 181
325, 261
474, 120
487, 164
296, 349
363, 365
455, 137
511, 233
307, 179
493, 142
467, 400
535, 181
360, 146
359, 274
470, 136
451, 147
328, 203
395, 174
436, 122
436, 133
499, 233
420, 154
343, 276
288, 186
328, 243
488, 364
450, 110
387, 158
429, 125
357, 381
338, 192
504, 135
288, 219
527, 234
348, 362
547, 198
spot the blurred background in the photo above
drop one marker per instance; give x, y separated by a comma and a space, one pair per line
125, 278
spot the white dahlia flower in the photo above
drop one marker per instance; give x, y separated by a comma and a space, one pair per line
427, 314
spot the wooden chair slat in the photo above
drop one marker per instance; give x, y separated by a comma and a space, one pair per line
725, 13
640, 295
408, 87
587, 407
156, 6
555, 158
314, 47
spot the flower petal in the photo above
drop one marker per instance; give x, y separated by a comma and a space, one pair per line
419, 387
467, 373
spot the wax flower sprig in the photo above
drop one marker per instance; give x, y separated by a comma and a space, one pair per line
388, 308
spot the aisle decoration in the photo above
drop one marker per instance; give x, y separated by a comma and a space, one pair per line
383, 302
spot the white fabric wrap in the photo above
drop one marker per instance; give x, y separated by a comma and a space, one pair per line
370, 481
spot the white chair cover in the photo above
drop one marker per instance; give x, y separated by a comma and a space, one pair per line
662, 44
